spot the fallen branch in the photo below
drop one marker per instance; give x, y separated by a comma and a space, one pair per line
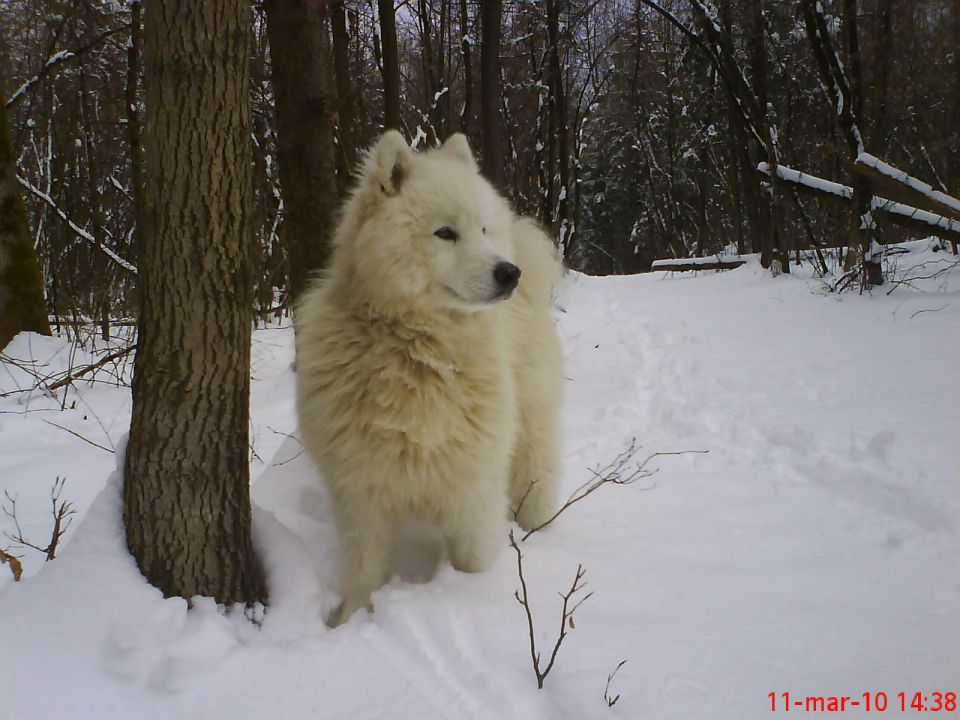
697, 263
920, 312
74, 374
905, 216
897, 183
78, 435
566, 617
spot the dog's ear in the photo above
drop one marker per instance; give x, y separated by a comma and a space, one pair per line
458, 148
390, 161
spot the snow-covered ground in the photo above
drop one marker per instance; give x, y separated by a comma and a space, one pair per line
813, 550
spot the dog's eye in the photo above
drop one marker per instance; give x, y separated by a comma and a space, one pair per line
484, 229
447, 233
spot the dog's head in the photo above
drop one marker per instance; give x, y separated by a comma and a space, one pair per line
426, 227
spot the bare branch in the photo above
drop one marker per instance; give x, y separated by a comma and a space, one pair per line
617, 472
59, 58
62, 519
566, 617
126, 265
73, 375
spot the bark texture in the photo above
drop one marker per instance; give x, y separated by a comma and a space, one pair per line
22, 305
305, 109
186, 479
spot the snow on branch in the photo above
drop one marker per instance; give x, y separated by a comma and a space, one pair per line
934, 200
55, 59
897, 212
125, 264
723, 60
60, 57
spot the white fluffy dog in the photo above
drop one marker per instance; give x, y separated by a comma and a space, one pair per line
429, 370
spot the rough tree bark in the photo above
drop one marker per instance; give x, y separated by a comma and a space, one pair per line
22, 305
391, 65
305, 132
491, 122
186, 499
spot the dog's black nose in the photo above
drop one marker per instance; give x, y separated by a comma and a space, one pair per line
507, 275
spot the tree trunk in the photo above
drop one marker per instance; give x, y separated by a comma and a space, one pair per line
954, 152
838, 88
561, 134
467, 59
884, 44
391, 65
22, 306
491, 161
305, 147
134, 131
186, 501
861, 230
346, 114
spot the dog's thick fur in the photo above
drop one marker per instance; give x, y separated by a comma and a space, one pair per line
421, 390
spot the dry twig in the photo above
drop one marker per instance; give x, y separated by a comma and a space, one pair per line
62, 518
566, 618
78, 435
612, 700
73, 375
618, 472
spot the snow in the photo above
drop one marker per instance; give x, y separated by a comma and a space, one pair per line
811, 551
419, 137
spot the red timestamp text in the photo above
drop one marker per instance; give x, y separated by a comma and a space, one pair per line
872, 702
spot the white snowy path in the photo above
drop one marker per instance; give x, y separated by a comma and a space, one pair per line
813, 550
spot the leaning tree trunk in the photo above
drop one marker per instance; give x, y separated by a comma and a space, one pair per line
22, 306
186, 500
305, 128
